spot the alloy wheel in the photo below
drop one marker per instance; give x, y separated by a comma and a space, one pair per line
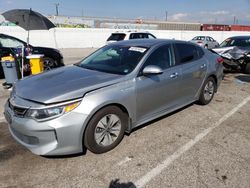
209, 90
107, 130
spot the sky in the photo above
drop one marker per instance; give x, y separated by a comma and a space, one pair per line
202, 11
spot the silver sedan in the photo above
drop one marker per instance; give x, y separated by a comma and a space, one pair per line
205, 41
117, 88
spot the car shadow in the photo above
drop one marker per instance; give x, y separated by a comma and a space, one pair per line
117, 184
243, 78
160, 118
66, 156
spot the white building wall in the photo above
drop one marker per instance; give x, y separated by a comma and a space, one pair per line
87, 38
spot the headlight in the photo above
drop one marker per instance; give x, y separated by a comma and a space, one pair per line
50, 113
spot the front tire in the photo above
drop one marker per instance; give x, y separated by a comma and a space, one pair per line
105, 130
207, 91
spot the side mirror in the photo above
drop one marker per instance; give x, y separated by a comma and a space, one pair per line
152, 70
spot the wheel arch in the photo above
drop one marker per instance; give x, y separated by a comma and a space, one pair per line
215, 79
120, 106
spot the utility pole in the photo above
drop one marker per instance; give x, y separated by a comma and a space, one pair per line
166, 16
234, 20
57, 5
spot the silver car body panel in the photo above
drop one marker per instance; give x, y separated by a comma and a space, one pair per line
61, 89
143, 97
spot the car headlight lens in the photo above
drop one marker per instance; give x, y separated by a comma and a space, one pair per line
49, 113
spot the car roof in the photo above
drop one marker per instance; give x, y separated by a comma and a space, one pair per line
201, 36
148, 43
239, 37
130, 31
8, 36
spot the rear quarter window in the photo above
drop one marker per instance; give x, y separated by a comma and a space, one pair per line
187, 52
200, 52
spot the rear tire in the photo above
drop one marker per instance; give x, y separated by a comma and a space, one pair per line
49, 63
247, 68
207, 91
105, 130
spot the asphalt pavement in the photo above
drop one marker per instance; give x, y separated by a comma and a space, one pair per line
197, 146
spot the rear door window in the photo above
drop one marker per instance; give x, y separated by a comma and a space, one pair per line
200, 38
186, 53
117, 37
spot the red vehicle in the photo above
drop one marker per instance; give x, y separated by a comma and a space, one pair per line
240, 28
215, 27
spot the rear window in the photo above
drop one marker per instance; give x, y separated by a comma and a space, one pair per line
116, 37
199, 38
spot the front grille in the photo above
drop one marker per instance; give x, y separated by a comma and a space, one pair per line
18, 111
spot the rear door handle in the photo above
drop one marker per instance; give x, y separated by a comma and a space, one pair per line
203, 66
174, 75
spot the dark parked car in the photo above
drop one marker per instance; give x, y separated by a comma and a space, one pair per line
236, 53
230, 43
9, 44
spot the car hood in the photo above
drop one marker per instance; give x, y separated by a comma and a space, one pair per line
223, 49
63, 84
239, 52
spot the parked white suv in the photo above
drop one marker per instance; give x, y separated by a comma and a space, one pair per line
128, 35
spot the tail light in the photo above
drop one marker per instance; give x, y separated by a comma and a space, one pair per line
220, 60
199, 42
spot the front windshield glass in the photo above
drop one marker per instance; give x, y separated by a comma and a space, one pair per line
114, 59
236, 42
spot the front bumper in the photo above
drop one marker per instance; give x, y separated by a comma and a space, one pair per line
60, 136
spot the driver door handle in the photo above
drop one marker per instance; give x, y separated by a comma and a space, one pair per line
174, 75
203, 66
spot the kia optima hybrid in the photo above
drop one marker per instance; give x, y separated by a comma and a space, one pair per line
117, 88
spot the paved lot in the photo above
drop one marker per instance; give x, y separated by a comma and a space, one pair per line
198, 146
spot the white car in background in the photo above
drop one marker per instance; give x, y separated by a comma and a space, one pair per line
128, 35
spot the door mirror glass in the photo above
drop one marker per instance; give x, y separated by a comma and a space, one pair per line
152, 70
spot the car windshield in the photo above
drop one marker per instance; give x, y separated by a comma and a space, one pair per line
114, 59
244, 42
